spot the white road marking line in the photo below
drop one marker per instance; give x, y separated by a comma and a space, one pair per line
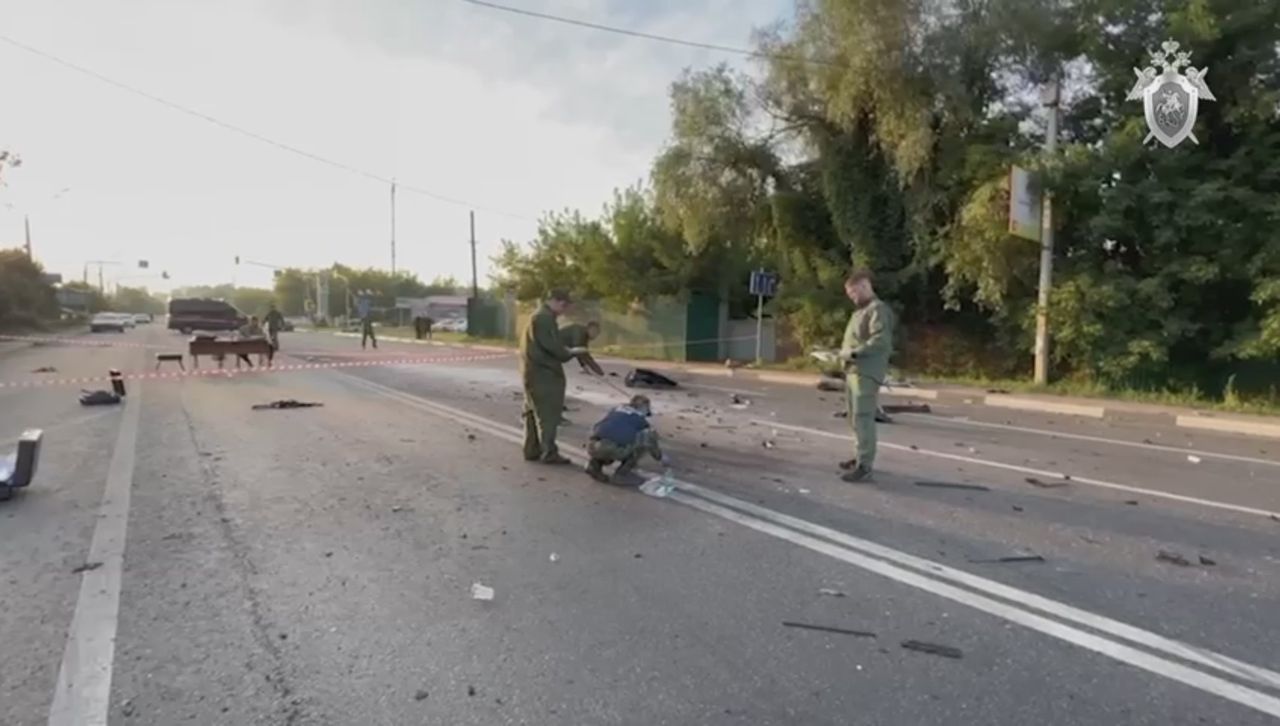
83, 693
929, 579
1023, 598
1038, 472
1125, 654
1085, 437
722, 389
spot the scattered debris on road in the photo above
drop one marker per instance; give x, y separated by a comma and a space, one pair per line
840, 414
554, 557
481, 592
830, 592
86, 567
945, 651
768, 444
44, 369
952, 485
421, 695
1044, 484
803, 491
1131, 502
829, 629
738, 402
906, 408
1207, 562
471, 691
658, 486
1193, 458
645, 378
1173, 558
471, 437
98, 398
1010, 558
1000, 391
285, 403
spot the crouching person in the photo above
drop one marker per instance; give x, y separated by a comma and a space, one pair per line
623, 436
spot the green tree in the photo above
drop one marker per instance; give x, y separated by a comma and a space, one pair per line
136, 300
26, 299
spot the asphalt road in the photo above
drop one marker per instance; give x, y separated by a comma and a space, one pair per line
315, 566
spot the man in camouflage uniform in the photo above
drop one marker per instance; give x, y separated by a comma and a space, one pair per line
542, 359
623, 435
868, 341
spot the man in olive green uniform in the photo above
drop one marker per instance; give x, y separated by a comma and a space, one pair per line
868, 341
576, 335
542, 359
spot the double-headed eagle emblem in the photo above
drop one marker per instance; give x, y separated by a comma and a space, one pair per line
1170, 98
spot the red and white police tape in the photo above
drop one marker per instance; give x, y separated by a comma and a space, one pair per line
232, 372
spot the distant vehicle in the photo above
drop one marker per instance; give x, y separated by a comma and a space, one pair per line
127, 319
191, 314
107, 321
142, 318
452, 325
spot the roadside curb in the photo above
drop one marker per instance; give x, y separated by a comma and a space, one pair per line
1062, 405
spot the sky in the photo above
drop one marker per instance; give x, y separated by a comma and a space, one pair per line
505, 115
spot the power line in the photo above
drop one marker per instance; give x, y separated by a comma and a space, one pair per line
646, 36
246, 132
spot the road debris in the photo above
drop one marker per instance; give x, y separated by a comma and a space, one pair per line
1044, 484
86, 567
554, 557
1206, 561
952, 485
471, 691
1010, 558
768, 444
1016, 508
481, 592
803, 491
285, 403
1173, 558
471, 437
1131, 502
829, 629
906, 408
1193, 458
840, 414
421, 695
44, 369
645, 378
830, 592
945, 651
739, 402
98, 398
658, 486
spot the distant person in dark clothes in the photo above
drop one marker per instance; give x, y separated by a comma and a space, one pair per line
274, 323
366, 323
623, 435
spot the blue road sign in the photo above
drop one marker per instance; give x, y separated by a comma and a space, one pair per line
764, 283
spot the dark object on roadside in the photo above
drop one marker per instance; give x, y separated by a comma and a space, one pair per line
471, 690
117, 382
1044, 484
945, 651
882, 417
1206, 561
286, 403
952, 485
906, 408
19, 468
1173, 558
1131, 502
1016, 508
998, 390
86, 567
840, 414
45, 369
98, 398
829, 629
613, 373
1010, 558
169, 358
645, 378
831, 383
421, 695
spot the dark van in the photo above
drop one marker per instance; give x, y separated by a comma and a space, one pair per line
190, 314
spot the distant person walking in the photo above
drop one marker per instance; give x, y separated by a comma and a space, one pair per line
542, 359
364, 310
274, 323
868, 341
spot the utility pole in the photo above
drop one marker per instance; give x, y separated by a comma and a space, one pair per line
475, 281
393, 227
26, 223
1051, 97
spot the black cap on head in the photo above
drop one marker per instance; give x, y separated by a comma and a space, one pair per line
560, 295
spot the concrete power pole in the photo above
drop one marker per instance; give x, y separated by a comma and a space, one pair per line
1051, 97
393, 227
26, 223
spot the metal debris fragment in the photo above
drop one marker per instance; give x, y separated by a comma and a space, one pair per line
1010, 558
830, 592
1207, 562
1173, 558
1044, 484
45, 369
421, 695
829, 629
945, 651
481, 592
285, 403
86, 567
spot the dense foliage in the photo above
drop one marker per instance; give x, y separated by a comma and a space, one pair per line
880, 133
